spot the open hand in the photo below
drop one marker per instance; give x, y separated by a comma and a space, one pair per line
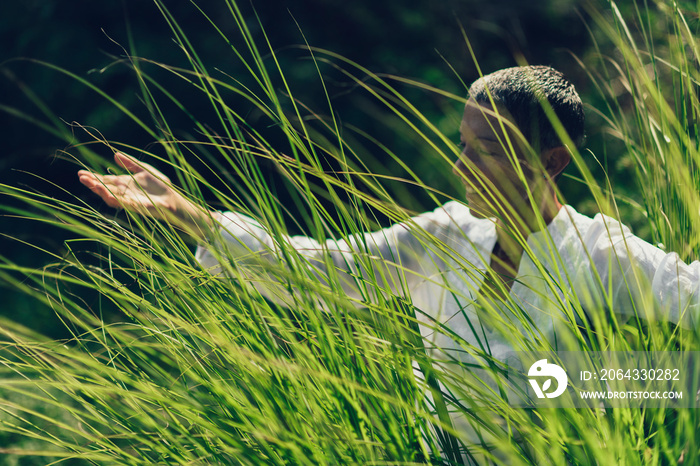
147, 191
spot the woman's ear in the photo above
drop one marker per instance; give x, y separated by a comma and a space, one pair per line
555, 160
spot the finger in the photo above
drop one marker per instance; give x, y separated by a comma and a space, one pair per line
103, 188
93, 179
136, 166
130, 163
90, 179
109, 199
87, 178
106, 194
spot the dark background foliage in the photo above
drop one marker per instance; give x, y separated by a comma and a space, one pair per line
421, 40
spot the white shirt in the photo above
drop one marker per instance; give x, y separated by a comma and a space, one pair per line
439, 259
587, 269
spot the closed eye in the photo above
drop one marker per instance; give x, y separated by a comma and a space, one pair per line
477, 149
481, 151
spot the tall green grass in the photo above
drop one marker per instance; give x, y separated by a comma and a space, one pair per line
198, 369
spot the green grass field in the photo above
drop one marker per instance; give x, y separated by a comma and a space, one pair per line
168, 364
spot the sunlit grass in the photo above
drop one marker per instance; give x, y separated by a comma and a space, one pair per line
269, 363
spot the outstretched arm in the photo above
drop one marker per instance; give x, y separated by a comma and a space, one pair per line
147, 191
395, 259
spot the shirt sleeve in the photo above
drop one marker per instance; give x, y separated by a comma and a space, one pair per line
389, 261
641, 279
